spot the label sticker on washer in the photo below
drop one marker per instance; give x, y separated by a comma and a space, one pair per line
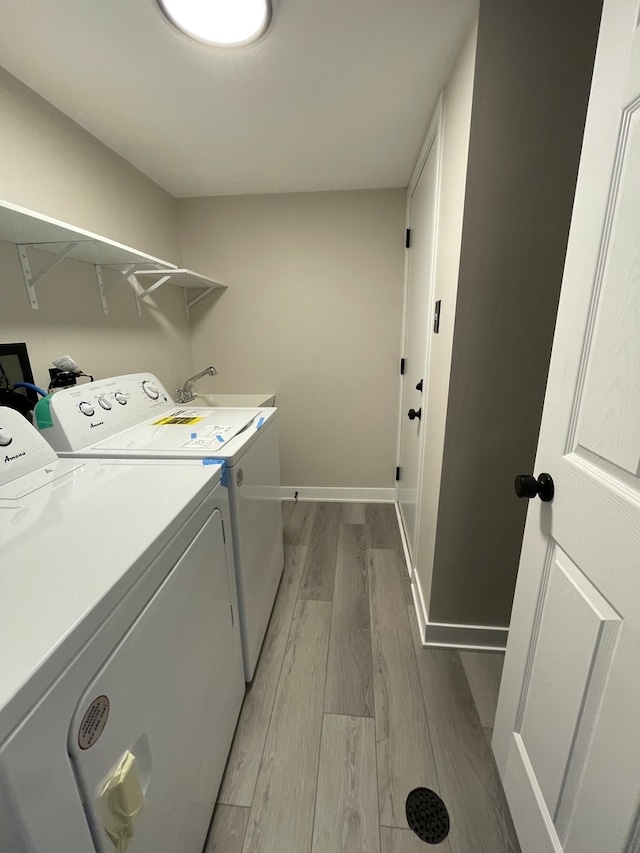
93, 722
210, 436
177, 419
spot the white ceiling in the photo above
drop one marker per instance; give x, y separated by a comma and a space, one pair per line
337, 95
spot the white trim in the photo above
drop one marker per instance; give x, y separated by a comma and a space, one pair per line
403, 539
337, 493
418, 603
450, 636
479, 637
435, 126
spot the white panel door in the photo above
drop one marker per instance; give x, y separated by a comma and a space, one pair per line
567, 730
418, 316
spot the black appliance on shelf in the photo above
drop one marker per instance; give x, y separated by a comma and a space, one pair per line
15, 368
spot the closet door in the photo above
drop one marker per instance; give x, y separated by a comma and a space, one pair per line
423, 208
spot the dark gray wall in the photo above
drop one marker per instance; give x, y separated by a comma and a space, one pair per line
533, 71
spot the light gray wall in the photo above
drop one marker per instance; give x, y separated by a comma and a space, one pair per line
313, 313
51, 165
532, 77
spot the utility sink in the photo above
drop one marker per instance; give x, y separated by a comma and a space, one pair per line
235, 400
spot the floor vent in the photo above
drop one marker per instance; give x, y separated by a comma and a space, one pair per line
427, 815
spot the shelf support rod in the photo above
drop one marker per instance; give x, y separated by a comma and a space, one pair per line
129, 272
196, 299
144, 292
31, 278
101, 290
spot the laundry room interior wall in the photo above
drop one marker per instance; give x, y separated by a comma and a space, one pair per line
51, 165
312, 313
533, 72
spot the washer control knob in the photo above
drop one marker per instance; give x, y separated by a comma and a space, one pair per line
5, 437
104, 403
152, 391
120, 398
87, 409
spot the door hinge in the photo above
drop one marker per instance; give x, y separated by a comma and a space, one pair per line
402, 365
436, 317
397, 473
407, 238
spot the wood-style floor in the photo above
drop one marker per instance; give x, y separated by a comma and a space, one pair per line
347, 713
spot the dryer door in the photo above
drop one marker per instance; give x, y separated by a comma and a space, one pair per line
169, 694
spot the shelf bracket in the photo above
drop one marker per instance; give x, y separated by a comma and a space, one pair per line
129, 272
31, 278
141, 292
147, 291
101, 289
189, 303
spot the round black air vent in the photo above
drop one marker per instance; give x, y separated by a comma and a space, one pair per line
427, 815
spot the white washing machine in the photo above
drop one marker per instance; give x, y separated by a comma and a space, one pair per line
134, 416
121, 674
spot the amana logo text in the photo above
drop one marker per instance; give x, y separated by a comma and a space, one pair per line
17, 456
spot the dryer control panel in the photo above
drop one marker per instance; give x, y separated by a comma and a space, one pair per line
76, 417
22, 449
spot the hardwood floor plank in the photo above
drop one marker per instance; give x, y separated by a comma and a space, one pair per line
349, 687
281, 817
381, 525
346, 814
405, 757
484, 671
469, 783
240, 776
298, 528
406, 841
320, 565
382, 531
287, 509
352, 513
227, 830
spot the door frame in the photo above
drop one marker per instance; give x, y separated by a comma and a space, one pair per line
432, 138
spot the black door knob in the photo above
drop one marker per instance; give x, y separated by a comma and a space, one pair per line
415, 413
528, 487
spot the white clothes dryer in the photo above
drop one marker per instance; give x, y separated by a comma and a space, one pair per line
120, 653
134, 417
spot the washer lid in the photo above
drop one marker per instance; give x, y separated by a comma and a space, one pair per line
199, 431
70, 550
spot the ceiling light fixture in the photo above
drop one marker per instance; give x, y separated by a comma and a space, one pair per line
225, 23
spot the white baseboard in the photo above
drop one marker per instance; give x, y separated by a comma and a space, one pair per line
418, 604
478, 637
451, 636
338, 493
403, 538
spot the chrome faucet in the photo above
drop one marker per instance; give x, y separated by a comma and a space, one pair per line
185, 394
